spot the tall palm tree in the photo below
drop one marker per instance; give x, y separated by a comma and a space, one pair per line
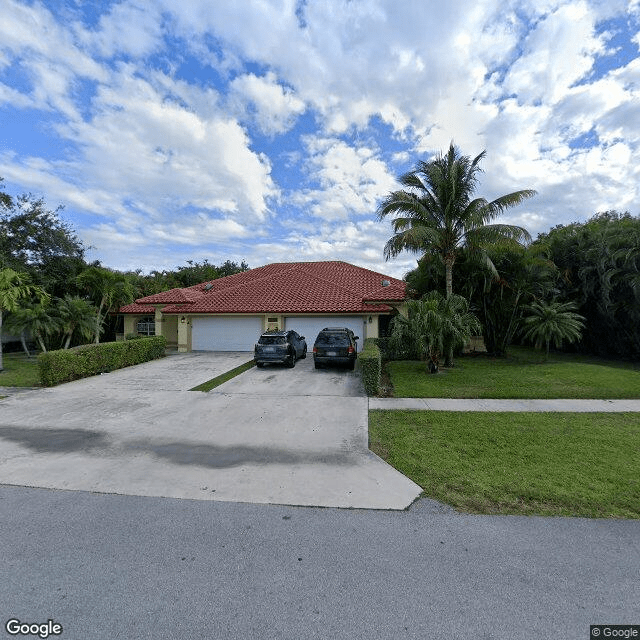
108, 289
555, 322
438, 214
15, 287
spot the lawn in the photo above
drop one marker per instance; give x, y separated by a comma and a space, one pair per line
225, 377
551, 464
19, 371
523, 374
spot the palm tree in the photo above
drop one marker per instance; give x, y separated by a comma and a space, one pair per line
552, 322
433, 326
41, 323
17, 323
14, 287
437, 214
109, 290
76, 315
458, 323
416, 333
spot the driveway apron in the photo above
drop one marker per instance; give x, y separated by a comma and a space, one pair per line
274, 435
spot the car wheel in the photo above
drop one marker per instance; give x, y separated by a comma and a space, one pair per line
352, 365
292, 360
317, 365
304, 354
259, 365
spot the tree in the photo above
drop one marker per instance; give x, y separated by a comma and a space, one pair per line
195, 272
35, 240
555, 322
438, 215
433, 326
17, 322
599, 266
41, 322
76, 316
458, 323
14, 287
108, 289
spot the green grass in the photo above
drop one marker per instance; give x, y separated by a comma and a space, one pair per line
550, 464
19, 371
221, 379
523, 374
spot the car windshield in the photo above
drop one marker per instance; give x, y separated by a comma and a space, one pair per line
272, 340
333, 339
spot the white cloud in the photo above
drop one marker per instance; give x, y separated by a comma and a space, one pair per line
558, 53
48, 56
148, 146
130, 28
273, 107
351, 180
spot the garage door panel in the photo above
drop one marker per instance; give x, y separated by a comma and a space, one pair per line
225, 333
309, 327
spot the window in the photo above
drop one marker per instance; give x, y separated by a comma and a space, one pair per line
146, 326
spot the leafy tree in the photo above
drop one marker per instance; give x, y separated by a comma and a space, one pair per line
14, 288
555, 322
599, 267
33, 239
195, 272
185, 276
76, 316
524, 274
437, 214
109, 290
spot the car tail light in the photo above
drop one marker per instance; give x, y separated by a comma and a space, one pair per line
350, 350
315, 349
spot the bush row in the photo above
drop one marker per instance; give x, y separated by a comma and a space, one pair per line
371, 366
91, 359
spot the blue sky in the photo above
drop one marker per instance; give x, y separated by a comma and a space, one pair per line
269, 130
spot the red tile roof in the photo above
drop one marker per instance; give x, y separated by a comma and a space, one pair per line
298, 287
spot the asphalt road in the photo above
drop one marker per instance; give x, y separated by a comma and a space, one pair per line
110, 566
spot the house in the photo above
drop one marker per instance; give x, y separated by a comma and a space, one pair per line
228, 314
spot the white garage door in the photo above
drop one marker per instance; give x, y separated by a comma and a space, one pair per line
225, 333
309, 327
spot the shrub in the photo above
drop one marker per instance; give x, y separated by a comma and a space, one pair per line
91, 359
371, 366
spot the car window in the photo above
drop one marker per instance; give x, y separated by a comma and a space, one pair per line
272, 340
333, 339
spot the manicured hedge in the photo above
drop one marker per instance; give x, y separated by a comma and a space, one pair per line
91, 359
371, 366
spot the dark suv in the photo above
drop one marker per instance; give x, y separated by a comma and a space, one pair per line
279, 346
335, 346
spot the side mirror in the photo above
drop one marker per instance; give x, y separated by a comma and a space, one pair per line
302, 338
356, 338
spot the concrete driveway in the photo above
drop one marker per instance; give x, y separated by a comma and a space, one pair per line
273, 435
